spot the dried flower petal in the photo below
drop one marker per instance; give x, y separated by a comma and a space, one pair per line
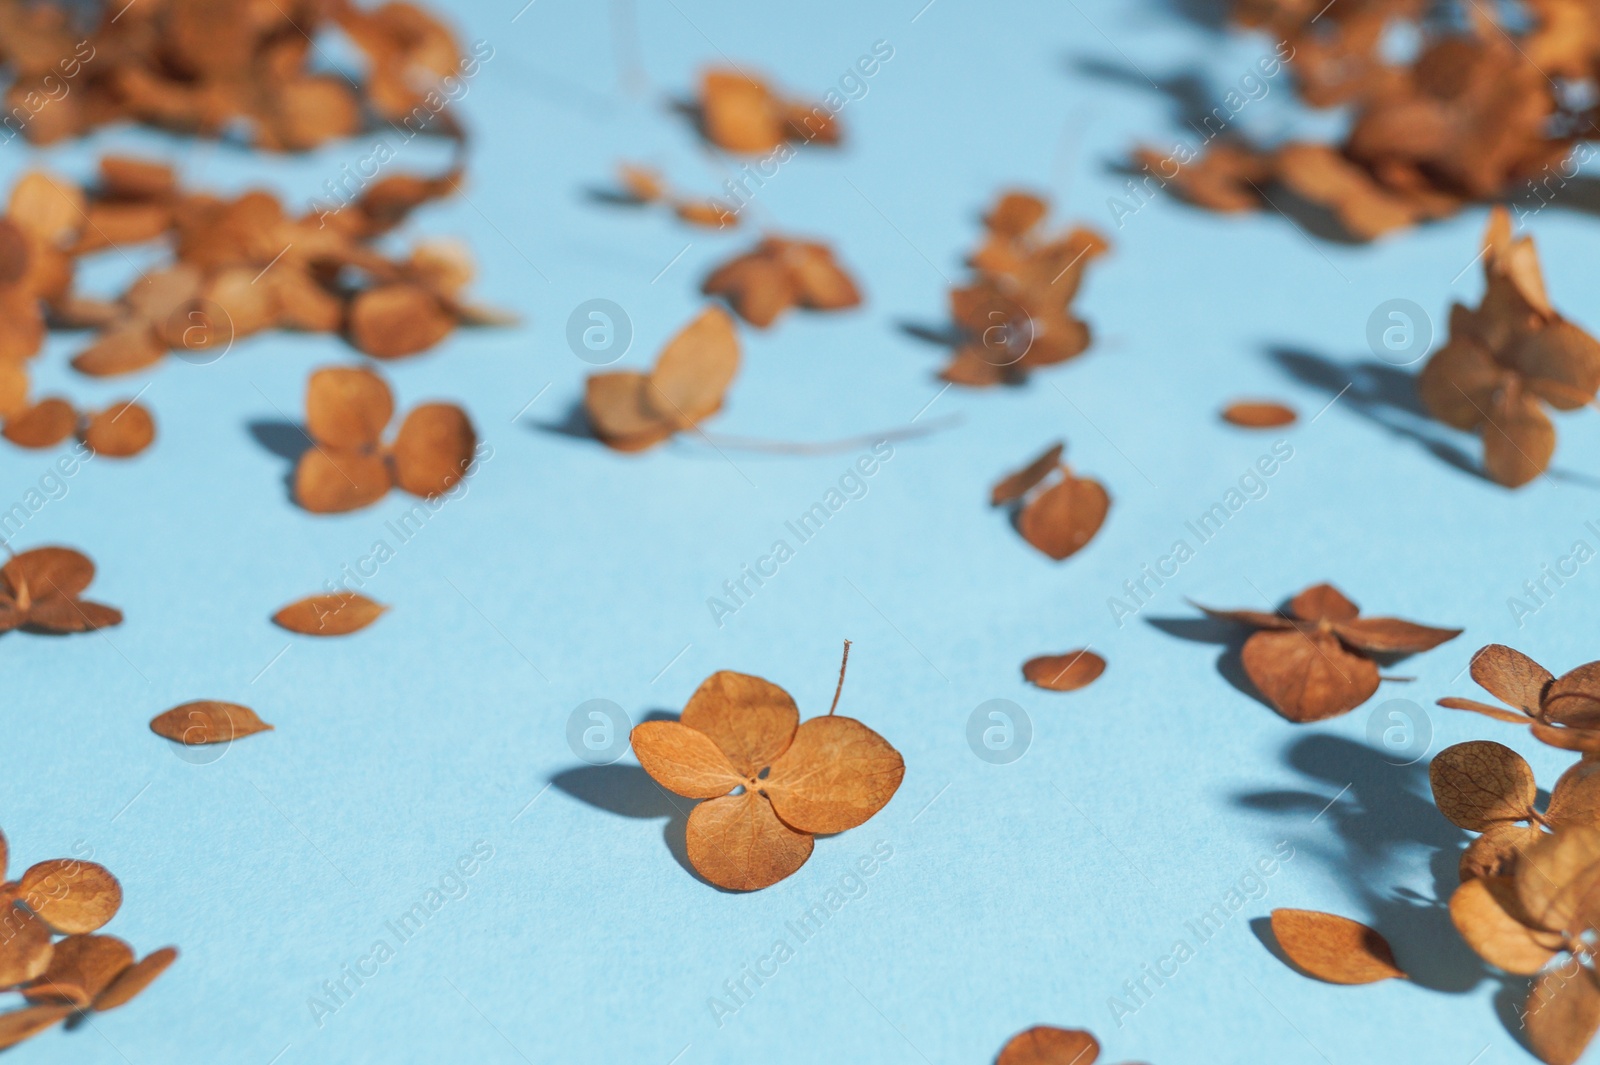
737, 842
81, 967
69, 895
336, 614
1258, 414
331, 481
1323, 602
122, 430
1557, 878
835, 775
1334, 948
1064, 672
25, 948
1573, 699
1480, 782
695, 369
393, 320
1014, 486
1044, 1045
135, 979
433, 449
19, 1025
1064, 517
749, 718
1497, 851
207, 721
683, 760
1391, 635
1308, 676
347, 407
45, 424
1562, 1014
1479, 909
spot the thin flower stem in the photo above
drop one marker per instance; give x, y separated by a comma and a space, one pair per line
840, 687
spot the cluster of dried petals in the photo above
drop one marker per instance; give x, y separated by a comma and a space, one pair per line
41, 590
1055, 510
207, 721
121, 430
1561, 711
1534, 912
1476, 111
632, 411
1333, 948
1508, 358
770, 782
1316, 659
215, 67
1015, 315
742, 113
348, 466
78, 973
333, 614
642, 185
244, 264
778, 274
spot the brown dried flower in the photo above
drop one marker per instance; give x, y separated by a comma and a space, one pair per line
40, 589
780, 273
1055, 510
632, 411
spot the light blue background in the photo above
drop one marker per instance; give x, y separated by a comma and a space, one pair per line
1025, 893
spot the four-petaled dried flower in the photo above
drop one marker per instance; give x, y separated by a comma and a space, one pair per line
632, 411
348, 466
1508, 358
40, 589
1562, 711
1015, 315
1055, 510
770, 781
1315, 660
780, 273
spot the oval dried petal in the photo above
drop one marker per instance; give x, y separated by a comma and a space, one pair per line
683, 760
1016, 485
1480, 782
1562, 1014
738, 843
1064, 672
123, 348
695, 369
1573, 699
1479, 910
48, 207
1334, 948
433, 449
25, 948
619, 413
135, 978
1323, 602
400, 319
120, 431
751, 719
207, 721
45, 424
331, 481
49, 571
339, 614
1511, 676
1518, 439
347, 407
81, 967
1308, 677
835, 775
1258, 414
1044, 1045
1458, 382
60, 613
1575, 800
1064, 517
71, 896
19, 1025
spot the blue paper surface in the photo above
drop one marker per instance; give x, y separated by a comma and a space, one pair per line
1043, 890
